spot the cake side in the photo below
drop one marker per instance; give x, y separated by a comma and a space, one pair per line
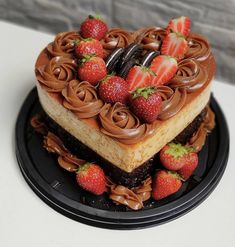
126, 157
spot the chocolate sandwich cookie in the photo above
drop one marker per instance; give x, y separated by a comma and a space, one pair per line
112, 60
124, 70
148, 57
132, 51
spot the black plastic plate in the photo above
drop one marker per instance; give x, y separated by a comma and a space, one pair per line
58, 188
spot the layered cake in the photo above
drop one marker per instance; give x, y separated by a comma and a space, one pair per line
117, 98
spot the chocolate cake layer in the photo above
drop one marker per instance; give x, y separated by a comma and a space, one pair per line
128, 179
119, 176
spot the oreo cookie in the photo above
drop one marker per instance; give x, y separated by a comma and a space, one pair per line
124, 70
112, 60
132, 51
148, 57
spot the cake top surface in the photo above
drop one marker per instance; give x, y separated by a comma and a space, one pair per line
126, 82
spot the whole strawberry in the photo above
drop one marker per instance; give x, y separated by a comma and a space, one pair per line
187, 170
91, 178
93, 27
165, 183
92, 69
113, 89
175, 156
88, 47
146, 103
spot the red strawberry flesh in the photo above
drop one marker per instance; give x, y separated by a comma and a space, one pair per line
89, 47
188, 169
174, 156
165, 183
175, 45
164, 67
91, 178
139, 76
93, 27
179, 25
114, 89
92, 69
146, 103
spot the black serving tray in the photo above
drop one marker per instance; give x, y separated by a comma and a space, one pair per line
59, 190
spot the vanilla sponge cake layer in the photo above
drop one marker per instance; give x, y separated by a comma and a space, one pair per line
125, 157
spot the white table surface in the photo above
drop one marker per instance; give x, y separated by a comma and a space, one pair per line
25, 220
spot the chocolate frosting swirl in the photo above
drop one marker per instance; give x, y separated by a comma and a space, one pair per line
116, 37
151, 37
55, 75
190, 75
66, 160
120, 123
198, 139
81, 98
199, 47
38, 124
173, 101
63, 44
133, 198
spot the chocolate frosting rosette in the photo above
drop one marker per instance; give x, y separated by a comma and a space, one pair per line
55, 75
81, 98
198, 139
116, 37
133, 198
191, 76
199, 47
65, 159
63, 44
172, 101
150, 37
120, 123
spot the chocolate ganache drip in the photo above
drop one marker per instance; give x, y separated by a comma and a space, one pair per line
120, 123
55, 75
173, 101
150, 37
63, 44
81, 98
191, 76
199, 47
116, 37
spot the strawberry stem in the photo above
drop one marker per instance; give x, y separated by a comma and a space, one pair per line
96, 17
176, 175
91, 17
177, 150
83, 168
86, 39
86, 58
143, 91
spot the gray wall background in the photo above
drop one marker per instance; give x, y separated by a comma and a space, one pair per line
212, 18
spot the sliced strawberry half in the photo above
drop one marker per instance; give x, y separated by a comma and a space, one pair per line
174, 45
179, 25
139, 76
164, 67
